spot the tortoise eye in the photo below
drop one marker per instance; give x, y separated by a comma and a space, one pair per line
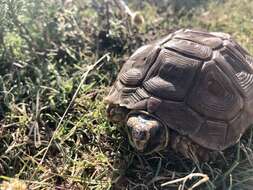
140, 135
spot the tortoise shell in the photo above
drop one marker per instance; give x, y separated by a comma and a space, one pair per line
197, 83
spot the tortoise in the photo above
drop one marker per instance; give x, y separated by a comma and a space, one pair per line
191, 91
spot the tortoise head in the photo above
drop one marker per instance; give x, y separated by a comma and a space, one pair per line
146, 133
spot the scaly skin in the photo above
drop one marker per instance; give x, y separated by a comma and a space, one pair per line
189, 149
116, 113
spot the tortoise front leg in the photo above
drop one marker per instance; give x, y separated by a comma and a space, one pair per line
116, 113
189, 149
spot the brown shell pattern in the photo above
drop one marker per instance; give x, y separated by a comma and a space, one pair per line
197, 83
189, 48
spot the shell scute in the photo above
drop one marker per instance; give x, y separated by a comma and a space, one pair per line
189, 48
201, 38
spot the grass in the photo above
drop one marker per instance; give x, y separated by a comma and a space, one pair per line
54, 132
